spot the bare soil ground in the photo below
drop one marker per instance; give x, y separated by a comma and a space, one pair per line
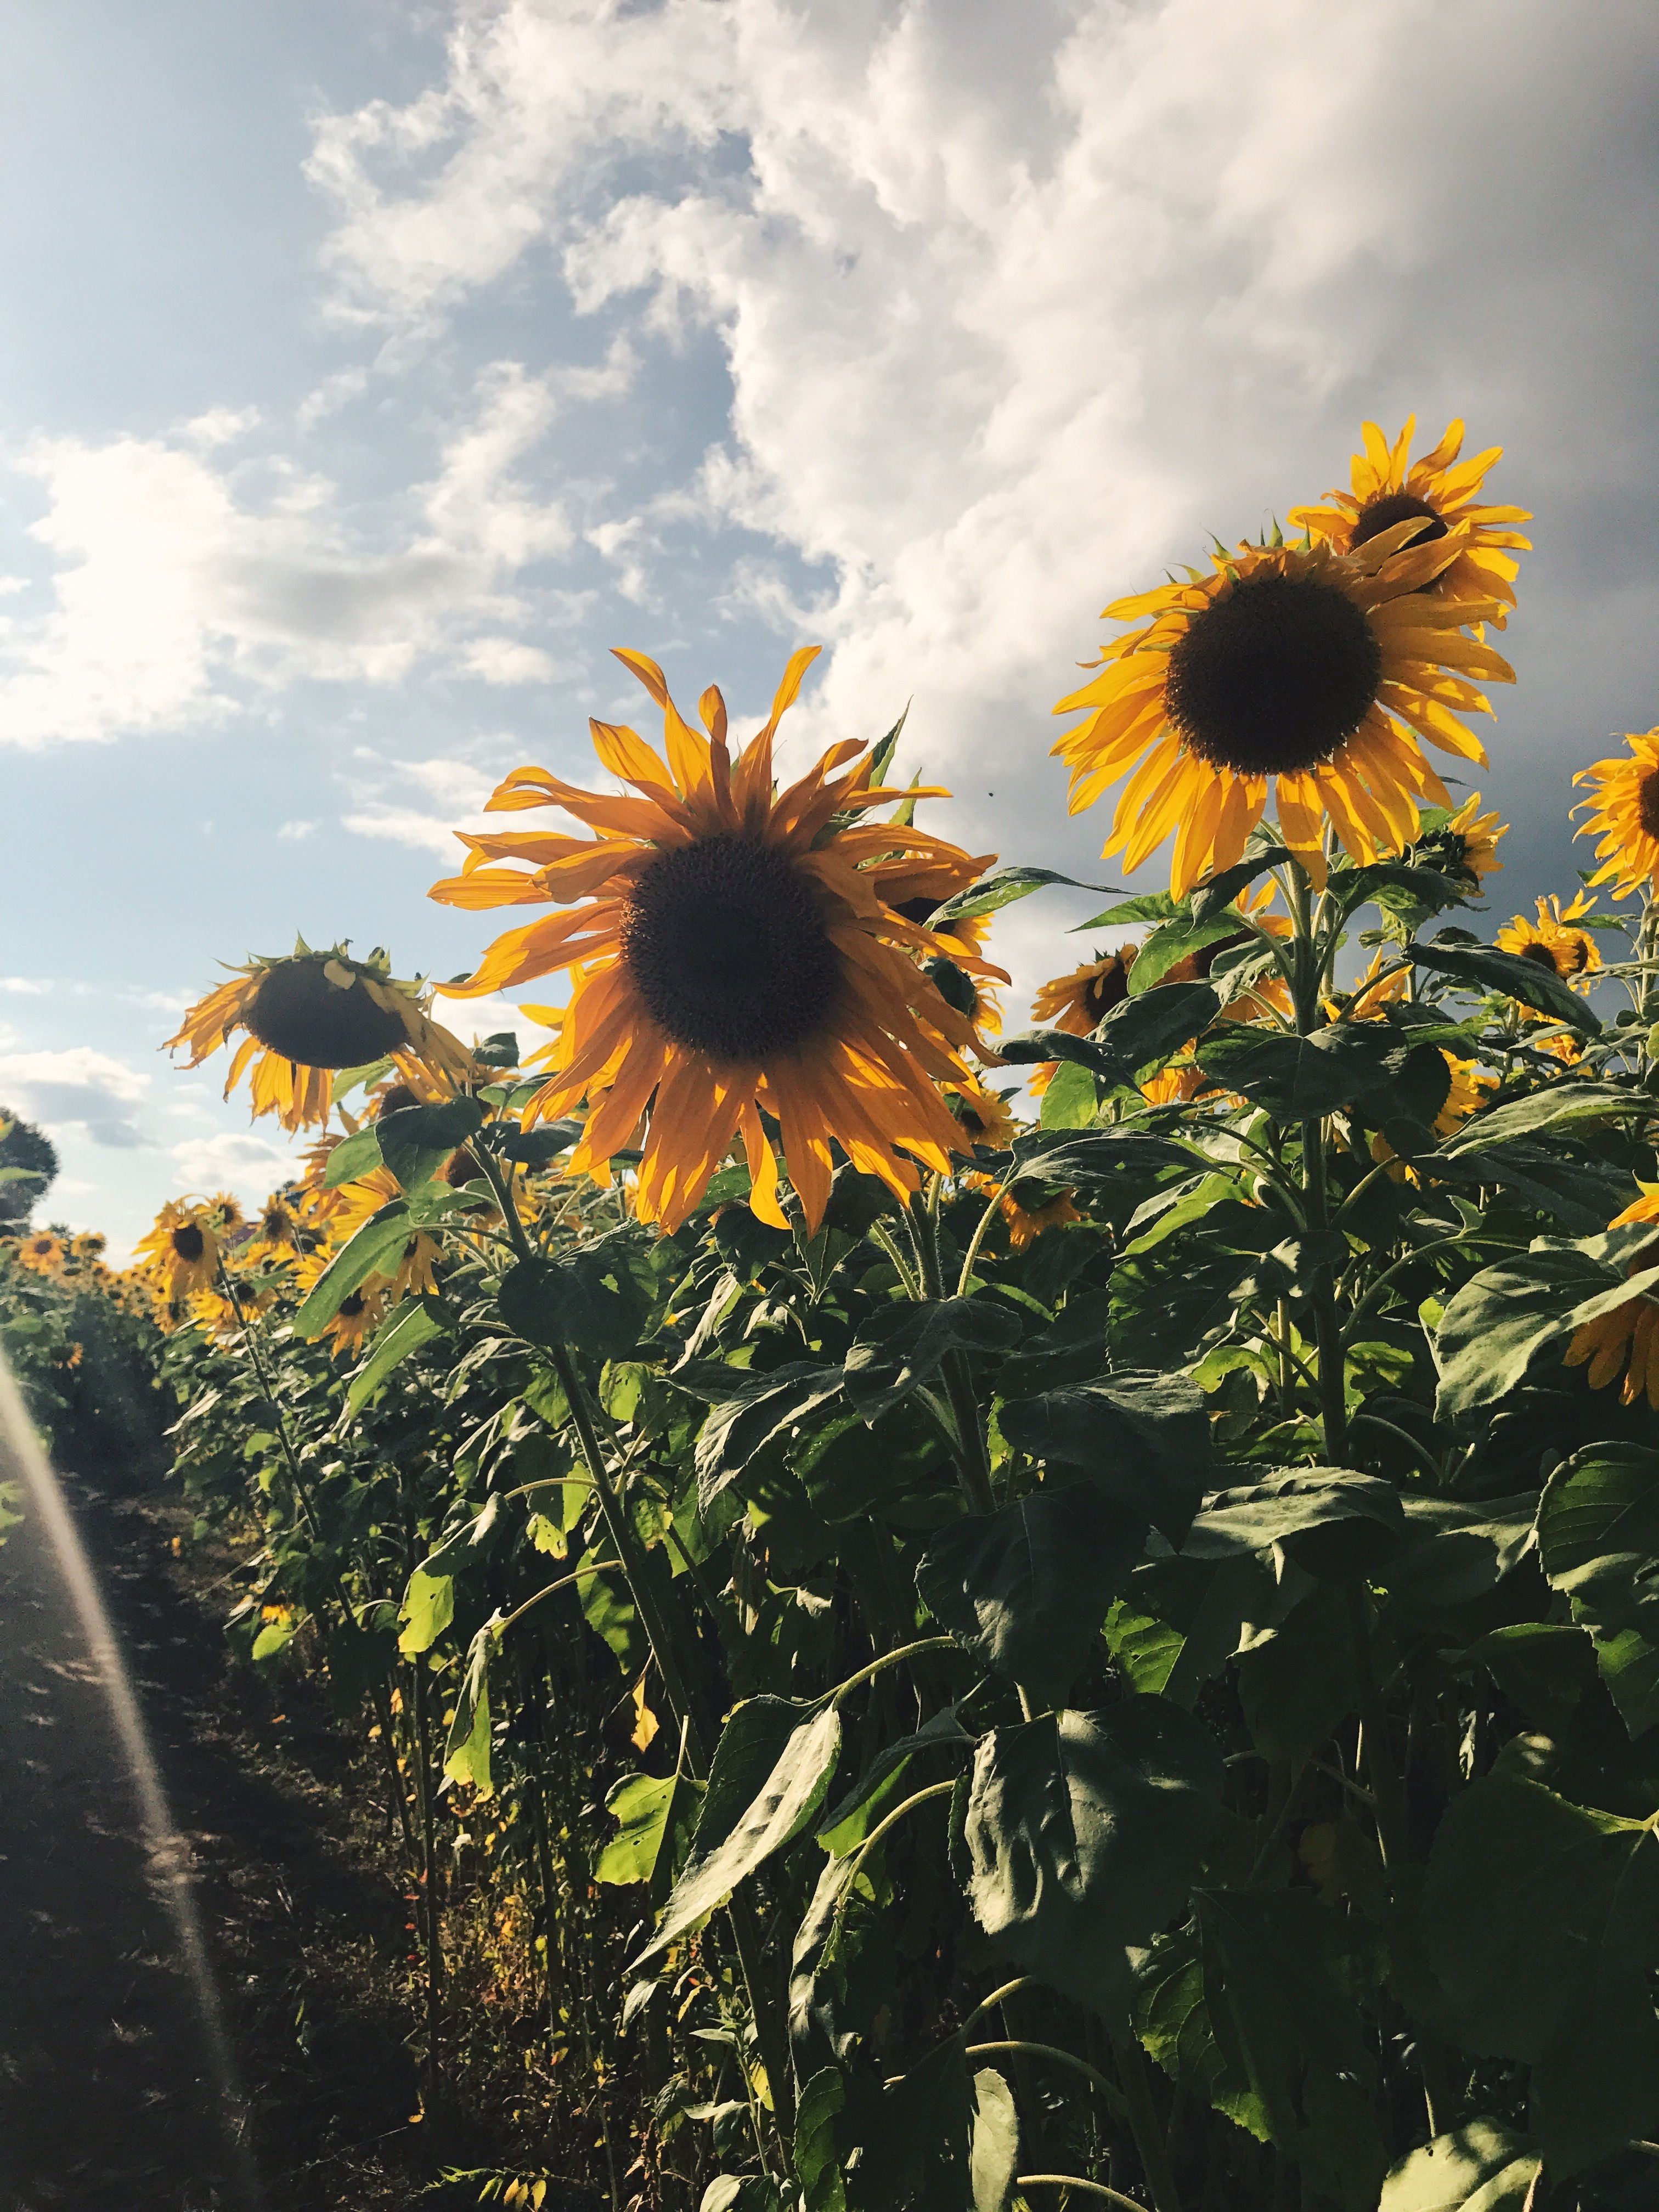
107, 2101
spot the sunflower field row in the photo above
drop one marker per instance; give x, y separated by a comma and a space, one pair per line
1003, 1618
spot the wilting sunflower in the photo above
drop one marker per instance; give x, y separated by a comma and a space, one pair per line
1623, 808
735, 954
1463, 845
1552, 942
307, 1016
182, 1248
43, 1252
1079, 1002
1293, 666
1631, 1331
1439, 493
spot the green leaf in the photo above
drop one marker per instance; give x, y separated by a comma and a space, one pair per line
847, 1823
360, 1655
992, 893
1543, 1666
1482, 968
1082, 1832
415, 1141
1542, 1920
1297, 1686
466, 1754
1299, 1078
1143, 1438
1598, 1537
903, 1347
1072, 1349
1275, 1989
1026, 1589
1223, 887
1145, 906
376, 1249
993, 2160
1508, 1320
1318, 1514
655, 1823
1414, 894
1137, 1034
428, 1609
1178, 940
1566, 1104
274, 1639
354, 1156
1069, 1103
1629, 1664
787, 1803
1478, 2167
1455, 1553
761, 1407
405, 1329
596, 1298
817, 2162
1053, 1157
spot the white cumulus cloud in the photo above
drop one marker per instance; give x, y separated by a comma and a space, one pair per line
78, 1087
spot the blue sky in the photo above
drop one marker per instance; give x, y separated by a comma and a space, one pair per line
367, 370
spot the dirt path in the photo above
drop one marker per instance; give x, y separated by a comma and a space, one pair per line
107, 2097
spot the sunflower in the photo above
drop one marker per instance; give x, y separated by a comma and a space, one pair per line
983, 1114
43, 1253
1173, 1085
1388, 489
1026, 1222
1386, 982
1463, 845
1291, 665
1628, 1333
182, 1248
359, 1314
1079, 1002
310, 1015
915, 886
1270, 993
1469, 1085
735, 954
1551, 941
360, 1200
278, 1232
1623, 808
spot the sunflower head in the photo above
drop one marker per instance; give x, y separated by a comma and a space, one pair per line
983, 1113
1551, 941
1622, 811
1317, 672
1079, 1002
1439, 496
1026, 1223
310, 1015
732, 953
1463, 845
43, 1252
277, 1226
182, 1248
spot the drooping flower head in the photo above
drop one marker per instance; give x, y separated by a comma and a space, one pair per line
1463, 845
1623, 811
1291, 666
732, 952
1079, 1002
1440, 493
983, 1113
1625, 1341
309, 1016
277, 1230
182, 1248
1553, 943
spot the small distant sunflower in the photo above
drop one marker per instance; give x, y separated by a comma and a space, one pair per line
734, 955
1377, 987
1552, 942
43, 1252
1290, 666
915, 886
1623, 808
360, 1200
1627, 1339
277, 1229
1269, 992
1387, 488
360, 1316
183, 1250
307, 1016
1079, 1002
983, 1114
1464, 845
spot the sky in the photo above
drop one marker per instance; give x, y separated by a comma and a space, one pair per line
367, 370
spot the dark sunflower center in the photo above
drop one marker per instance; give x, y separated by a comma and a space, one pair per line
400, 1097
1103, 992
189, 1241
1273, 676
1647, 803
1388, 507
351, 1305
1542, 956
297, 1013
724, 941
919, 910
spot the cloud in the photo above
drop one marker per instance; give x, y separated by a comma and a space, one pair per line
232, 1160
181, 586
1019, 302
78, 1087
